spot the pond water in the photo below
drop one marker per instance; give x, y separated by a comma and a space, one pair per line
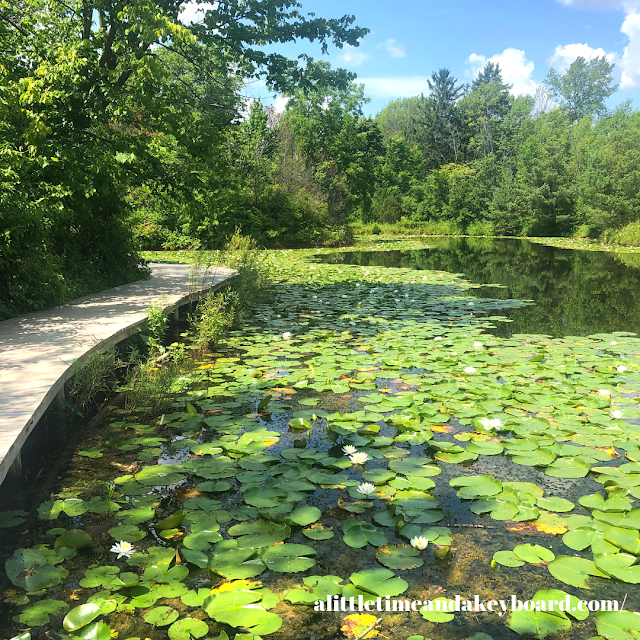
515, 454
575, 292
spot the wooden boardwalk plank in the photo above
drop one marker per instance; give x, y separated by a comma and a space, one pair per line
40, 351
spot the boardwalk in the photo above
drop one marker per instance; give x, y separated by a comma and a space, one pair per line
40, 351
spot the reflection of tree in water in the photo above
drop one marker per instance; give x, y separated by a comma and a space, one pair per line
576, 292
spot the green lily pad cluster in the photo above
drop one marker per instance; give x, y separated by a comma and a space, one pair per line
345, 418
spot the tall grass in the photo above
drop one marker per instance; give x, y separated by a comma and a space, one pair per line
218, 312
93, 380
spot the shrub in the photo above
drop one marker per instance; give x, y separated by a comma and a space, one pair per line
629, 235
480, 228
150, 387
586, 231
157, 324
216, 314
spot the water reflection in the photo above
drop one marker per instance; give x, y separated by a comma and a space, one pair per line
576, 292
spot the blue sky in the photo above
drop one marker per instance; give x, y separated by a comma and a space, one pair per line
411, 38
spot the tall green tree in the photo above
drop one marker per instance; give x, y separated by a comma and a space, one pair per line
584, 87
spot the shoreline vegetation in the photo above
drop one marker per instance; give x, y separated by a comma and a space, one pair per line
139, 138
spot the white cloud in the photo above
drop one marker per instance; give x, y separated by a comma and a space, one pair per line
280, 103
564, 56
516, 69
598, 5
630, 60
631, 57
603, 5
395, 87
353, 56
393, 49
193, 12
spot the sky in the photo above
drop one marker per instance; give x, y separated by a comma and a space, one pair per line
409, 39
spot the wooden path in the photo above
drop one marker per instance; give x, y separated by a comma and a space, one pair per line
40, 351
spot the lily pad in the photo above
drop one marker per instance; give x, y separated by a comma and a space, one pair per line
81, 616
357, 534
33, 569
399, 556
187, 629
289, 558
574, 571
39, 613
381, 582
161, 616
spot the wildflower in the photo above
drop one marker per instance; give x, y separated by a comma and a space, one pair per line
616, 414
287, 335
469, 370
613, 343
123, 548
349, 449
359, 458
491, 423
419, 542
622, 369
366, 488
604, 392
478, 345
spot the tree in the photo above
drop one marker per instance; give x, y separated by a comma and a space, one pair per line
584, 87
491, 72
100, 98
444, 90
327, 124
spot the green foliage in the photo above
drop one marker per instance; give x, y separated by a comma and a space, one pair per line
584, 87
215, 318
93, 379
149, 387
157, 324
113, 106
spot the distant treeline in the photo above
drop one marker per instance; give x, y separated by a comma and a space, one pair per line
122, 129
467, 158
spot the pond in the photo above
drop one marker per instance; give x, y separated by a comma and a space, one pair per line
374, 404
575, 292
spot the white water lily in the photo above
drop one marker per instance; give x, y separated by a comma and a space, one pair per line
123, 548
613, 343
287, 335
366, 488
438, 338
469, 370
604, 392
478, 344
419, 542
349, 449
359, 458
622, 369
616, 414
491, 423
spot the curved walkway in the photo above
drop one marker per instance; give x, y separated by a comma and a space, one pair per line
40, 351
